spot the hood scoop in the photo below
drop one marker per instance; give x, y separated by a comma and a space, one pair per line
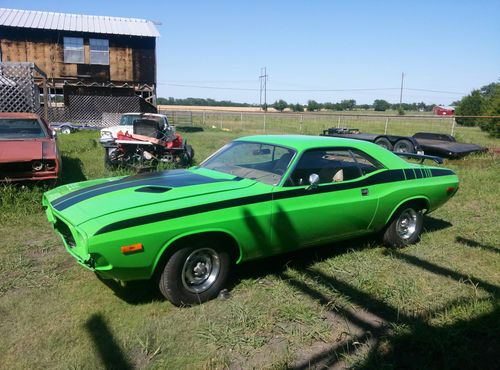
153, 189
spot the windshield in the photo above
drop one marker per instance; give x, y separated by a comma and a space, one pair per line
21, 128
262, 162
128, 120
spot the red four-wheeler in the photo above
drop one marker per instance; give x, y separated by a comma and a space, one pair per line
146, 143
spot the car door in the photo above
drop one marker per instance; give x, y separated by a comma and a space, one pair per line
341, 205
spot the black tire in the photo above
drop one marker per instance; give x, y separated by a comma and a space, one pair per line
188, 155
404, 146
183, 285
404, 228
108, 163
384, 143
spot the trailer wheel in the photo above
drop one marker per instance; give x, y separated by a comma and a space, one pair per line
404, 146
384, 143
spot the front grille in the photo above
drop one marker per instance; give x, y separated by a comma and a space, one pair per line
15, 167
65, 232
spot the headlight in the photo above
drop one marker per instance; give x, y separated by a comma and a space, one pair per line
106, 134
37, 165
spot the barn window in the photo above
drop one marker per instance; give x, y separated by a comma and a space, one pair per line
73, 50
99, 51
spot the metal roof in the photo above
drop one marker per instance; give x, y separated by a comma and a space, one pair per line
77, 23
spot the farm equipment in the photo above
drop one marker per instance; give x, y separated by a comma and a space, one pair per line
422, 142
148, 145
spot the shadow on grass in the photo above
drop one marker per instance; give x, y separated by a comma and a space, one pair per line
71, 170
432, 224
134, 292
473, 244
109, 351
188, 129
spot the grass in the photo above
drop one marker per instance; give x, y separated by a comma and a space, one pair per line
432, 305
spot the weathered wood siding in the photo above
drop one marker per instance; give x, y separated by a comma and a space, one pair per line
131, 59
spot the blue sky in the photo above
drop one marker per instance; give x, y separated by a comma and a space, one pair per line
451, 46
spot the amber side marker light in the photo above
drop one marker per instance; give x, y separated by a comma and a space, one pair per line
134, 248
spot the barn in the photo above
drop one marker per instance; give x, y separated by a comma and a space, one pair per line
443, 111
90, 62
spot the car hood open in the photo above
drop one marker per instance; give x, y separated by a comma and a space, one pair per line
80, 202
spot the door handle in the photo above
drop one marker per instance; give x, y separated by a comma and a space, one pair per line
364, 192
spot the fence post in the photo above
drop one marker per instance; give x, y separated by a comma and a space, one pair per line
191, 114
221, 121
264, 122
203, 121
386, 124
453, 126
301, 122
338, 123
241, 118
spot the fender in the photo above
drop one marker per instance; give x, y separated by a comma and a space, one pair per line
417, 197
194, 233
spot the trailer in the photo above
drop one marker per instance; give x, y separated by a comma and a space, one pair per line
422, 142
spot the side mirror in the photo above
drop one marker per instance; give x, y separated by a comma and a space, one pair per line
313, 181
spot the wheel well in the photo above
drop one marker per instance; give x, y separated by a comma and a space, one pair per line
417, 203
225, 241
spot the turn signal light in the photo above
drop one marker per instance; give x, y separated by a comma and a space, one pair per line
132, 248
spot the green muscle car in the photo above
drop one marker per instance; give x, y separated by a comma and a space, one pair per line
257, 196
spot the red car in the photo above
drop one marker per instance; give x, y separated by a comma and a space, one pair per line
28, 149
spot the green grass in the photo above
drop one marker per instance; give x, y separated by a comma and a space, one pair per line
432, 305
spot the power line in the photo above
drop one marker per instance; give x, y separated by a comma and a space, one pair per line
311, 90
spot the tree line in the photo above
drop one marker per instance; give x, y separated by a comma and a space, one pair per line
482, 102
378, 105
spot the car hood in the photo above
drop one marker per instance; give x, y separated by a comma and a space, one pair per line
89, 200
26, 150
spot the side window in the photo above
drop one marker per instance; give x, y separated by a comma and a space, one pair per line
73, 50
99, 51
331, 165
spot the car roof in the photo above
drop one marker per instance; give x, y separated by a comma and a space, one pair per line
305, 142
19, 115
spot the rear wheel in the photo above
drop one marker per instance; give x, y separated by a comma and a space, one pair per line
195, 274
404, 146
384, 143
404, 228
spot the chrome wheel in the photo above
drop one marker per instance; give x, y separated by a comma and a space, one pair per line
406, 224
200, 270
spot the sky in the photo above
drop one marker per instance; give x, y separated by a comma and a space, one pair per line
322, 50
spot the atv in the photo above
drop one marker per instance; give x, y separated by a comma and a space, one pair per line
148, 145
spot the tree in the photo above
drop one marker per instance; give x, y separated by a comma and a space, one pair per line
348, 104
297, 107
492, 108
280, 105
381, 105
470, 105
313, 106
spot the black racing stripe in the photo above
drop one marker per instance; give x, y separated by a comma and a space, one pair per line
169, 179
418, 173
378, 178
162, 216
441, 172
410, 174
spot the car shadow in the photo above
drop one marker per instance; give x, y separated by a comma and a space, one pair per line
134, 292
474, 244
72, 170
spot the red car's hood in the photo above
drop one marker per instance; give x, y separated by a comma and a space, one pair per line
26, 150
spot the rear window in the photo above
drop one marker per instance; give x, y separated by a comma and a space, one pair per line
21, 128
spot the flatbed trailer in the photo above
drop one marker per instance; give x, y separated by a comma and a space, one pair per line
422, 142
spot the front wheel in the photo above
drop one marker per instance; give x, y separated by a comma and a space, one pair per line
194, 274
404, 228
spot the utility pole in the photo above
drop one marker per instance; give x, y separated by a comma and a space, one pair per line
263, 87
401, 93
